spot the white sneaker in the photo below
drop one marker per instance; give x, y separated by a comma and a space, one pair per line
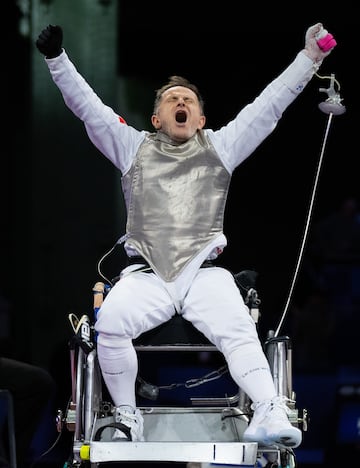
270, 425
129, 426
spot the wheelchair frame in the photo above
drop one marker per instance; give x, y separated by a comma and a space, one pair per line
208, 432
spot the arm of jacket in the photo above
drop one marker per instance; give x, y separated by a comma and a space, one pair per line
238, 139
106, 129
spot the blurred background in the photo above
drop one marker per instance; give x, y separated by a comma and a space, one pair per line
62, 209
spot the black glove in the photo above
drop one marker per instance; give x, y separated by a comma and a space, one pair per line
49, 41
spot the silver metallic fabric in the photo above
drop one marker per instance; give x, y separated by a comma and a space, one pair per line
176, 195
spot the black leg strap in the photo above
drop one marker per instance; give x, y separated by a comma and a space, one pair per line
122, 427
138, 259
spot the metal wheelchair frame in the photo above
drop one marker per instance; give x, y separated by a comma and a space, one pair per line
208, 432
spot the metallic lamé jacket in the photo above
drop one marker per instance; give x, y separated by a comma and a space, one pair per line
176, 195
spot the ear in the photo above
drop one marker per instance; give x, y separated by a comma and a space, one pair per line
202, 122
155, 121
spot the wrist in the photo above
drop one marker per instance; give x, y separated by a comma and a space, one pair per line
316, 57
54, 54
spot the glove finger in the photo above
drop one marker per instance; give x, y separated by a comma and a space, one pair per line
313, 30
41, 42
45, 35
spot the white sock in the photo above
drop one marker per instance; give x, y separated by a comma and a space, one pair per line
127, 408
253, 375
119, 367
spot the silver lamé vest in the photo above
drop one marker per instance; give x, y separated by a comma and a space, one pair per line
175, 196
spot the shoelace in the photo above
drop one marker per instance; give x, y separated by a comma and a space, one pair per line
125, 416
277, 402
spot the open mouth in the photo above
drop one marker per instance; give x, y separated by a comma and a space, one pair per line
181, 116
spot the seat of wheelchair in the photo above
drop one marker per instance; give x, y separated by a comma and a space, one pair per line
177, 334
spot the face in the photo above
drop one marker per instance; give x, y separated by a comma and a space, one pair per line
179, 114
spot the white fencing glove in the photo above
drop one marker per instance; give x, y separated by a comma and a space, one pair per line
318, 43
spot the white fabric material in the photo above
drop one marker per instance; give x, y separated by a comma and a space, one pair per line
213, 304
248, 369
119, 366
234, 141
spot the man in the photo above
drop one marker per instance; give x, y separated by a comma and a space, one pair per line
175, 183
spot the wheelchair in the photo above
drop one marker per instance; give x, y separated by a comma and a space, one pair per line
200, 433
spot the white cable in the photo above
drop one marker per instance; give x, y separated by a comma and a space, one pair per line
300, 257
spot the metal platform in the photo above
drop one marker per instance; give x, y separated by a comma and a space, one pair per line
198, 435
231, 453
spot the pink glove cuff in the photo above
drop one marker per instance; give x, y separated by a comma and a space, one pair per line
327, 42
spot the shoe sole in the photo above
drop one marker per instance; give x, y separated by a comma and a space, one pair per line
282, 441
